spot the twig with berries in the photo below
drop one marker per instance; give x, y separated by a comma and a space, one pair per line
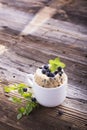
24, 92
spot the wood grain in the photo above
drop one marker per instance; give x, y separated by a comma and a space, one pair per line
63, 35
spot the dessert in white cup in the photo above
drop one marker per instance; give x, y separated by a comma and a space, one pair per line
50, 89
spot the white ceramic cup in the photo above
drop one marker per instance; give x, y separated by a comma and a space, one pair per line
49, 97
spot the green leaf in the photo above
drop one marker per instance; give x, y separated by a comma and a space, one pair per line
22, 110
34, 104
19, 116
29, 108
7, 89
54, 64
10, 88
22, 85
27, 95
18, 87
20, 91
15, 99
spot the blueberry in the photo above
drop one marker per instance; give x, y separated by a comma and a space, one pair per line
48, 70
52, 75
44, 71
49, 74
33, 99
25, 89
56, 72
59, 68
46, 67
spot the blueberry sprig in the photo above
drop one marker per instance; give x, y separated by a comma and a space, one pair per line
22, 89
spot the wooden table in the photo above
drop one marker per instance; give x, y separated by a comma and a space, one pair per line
31, 33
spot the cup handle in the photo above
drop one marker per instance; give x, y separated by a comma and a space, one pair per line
30, 78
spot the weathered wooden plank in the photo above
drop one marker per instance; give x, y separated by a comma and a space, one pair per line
74, 11
43, 15
17, 20
55, 46
71, 11
31, 4
12, 18
4, 126
25, 6
53, 120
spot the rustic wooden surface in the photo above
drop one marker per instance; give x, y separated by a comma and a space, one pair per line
62, 32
